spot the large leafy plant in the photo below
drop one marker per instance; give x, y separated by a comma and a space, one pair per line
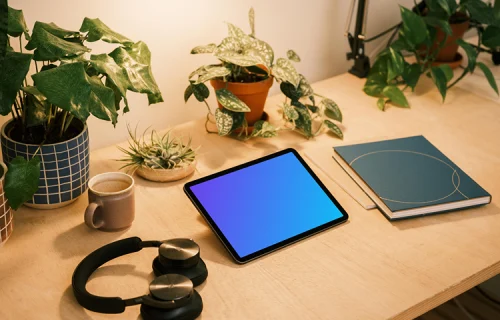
245, 58
69, 83
391, 74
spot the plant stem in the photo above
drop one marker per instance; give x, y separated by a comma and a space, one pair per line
16, 107
206, 125
36, 67
208, 107
65, 115
68, 122
458, 79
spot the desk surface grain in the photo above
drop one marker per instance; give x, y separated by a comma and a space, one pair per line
367, 268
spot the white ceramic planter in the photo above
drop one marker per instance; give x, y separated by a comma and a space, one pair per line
166, 175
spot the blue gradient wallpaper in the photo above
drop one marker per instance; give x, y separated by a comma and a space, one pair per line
265, 203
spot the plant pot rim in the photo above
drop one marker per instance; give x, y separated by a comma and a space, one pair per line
5, 169
4, 135
268, 79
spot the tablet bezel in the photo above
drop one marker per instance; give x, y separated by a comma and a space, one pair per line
281, 244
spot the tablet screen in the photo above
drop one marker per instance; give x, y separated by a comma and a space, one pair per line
265, 204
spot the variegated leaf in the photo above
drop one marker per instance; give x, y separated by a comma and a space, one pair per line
290, 112
332, 110
231, 50
223, 121
334, 128
264, 129
234, 31
292, 55
305, 87
283, 70
231, 102
209, 48
251, 20
261, 49
211, 73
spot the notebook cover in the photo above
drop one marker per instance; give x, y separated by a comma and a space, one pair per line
410, 173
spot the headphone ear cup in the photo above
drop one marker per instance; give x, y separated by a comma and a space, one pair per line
188, 312
197, 274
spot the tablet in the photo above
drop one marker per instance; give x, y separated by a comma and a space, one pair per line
265, 204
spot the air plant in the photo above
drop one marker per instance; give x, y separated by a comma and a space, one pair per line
158, 152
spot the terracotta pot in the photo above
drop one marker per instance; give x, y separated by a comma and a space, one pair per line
166, 175
253, 94
6, 217
448, 54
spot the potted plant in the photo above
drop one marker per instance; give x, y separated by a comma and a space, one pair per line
163, 158
241, 80
428, 35
6, 217
45, 144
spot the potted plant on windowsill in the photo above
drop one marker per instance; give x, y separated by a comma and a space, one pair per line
45, 144
241, 80
428, 35
162, 158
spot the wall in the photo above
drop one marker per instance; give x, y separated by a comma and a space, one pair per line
314, 29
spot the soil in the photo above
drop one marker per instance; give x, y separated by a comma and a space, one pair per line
39, 134
245, 78
458, 17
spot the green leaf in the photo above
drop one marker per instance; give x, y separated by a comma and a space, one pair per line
448, 72
439, 78
16, 25
97, 30
104, 64
313, 109
284, 71
200, 91
480, 11
411, 74
36, 106
136, 61
374, 90
332, 110
21, 180
251, 20
118, 96
396, 96
381, 103
256, 70
334, 128
489, 75
264, 129
400, 45
439, 23
16, 66
231, 102
304, 122
491, 36
414, 27
188, 92
471, 54
231, 50
496, 10
290, 112
305, 87
291, 91
51, 47
209, 48
293, 56
102, 101
395, 66
212, 73
223, 121
70, 88
378, 72
444, 5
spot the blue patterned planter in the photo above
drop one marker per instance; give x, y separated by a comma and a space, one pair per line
64, 170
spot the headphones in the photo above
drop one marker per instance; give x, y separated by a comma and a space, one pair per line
178, 268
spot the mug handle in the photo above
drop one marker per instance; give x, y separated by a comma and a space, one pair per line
89, 216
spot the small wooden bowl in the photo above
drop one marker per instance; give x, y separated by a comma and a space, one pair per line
166, 175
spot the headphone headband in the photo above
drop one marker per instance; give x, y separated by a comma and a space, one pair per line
96, 259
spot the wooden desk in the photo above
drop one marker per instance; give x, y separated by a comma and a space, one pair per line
367, 268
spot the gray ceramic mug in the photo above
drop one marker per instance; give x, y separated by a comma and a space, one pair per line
111, 201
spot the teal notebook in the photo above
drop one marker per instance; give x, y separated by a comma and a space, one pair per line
409, 177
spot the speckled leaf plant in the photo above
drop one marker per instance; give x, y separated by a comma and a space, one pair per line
242, 57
